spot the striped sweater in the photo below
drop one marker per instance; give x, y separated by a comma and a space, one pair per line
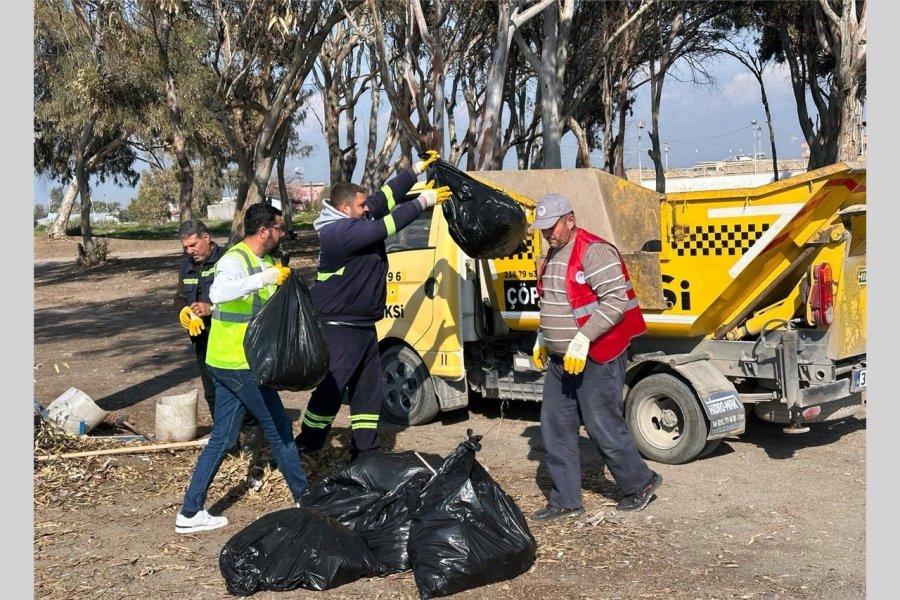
603, 272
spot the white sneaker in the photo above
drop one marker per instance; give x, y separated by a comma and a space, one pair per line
202, 521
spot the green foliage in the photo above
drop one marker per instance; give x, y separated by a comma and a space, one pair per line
56, 198
160, 188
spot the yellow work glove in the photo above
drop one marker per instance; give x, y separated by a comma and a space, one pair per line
275, 275
430, 157
196, 325
576, 355
433, 196
539, 354
190, 321
184, 317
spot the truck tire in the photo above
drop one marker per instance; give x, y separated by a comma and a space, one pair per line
666, 421
409, 397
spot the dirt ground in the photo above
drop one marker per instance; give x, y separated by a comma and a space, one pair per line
767, 515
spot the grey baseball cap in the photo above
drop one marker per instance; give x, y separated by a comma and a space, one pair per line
549, 209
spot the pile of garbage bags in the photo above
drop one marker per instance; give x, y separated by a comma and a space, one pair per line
454, 527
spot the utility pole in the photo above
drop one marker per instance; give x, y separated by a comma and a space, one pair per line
640, 125
753, 126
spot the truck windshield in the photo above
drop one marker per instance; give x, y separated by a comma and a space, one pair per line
412, 237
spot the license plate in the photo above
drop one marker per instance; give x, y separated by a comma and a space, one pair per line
859, 380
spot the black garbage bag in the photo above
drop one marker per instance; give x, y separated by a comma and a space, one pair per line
284, 344
466, 532
385, 525
483, 221
349, 493
295, 548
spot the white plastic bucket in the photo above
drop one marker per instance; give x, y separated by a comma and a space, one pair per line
75, 412
176, 417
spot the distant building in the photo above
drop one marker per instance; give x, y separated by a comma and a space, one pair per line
96, 218
301, 196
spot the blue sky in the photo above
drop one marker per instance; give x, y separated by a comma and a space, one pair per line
700, 123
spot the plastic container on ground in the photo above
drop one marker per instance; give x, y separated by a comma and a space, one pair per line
75, 412
176, 417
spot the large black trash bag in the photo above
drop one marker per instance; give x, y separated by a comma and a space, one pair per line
385, 525
467, 532
295, 548
484, 222
284, 344
349, 493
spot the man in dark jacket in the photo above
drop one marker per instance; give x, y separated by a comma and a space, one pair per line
349, 297
195, 277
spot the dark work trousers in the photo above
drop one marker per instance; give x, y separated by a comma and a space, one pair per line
595, 393
209, 386
355, 366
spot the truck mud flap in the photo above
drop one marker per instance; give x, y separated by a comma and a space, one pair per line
451, 394
718, 397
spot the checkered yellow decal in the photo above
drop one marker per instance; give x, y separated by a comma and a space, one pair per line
719, 240
529, 253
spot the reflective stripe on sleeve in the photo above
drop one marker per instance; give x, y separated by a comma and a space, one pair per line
389, 196
322, 276
585, 310
389, 225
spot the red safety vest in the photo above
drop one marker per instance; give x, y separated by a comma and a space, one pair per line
584, 301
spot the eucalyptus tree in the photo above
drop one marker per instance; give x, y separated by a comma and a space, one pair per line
261, 52
823, 44
341, 79
185, 123
743, 46
468, 34
685, 34
402, 33
88, 98
570, 81
511, 14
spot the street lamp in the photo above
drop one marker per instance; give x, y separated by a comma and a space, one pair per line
753, 126
640, 125
666, 146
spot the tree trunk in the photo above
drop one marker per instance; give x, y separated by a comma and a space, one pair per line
550, 89
162, 28
57, 230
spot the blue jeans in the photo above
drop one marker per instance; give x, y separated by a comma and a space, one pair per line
237, 393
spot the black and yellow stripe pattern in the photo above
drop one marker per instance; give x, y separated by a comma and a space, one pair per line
718, 240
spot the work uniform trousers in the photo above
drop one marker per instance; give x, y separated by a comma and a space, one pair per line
236, 394
209, 386
593, 397
354, 366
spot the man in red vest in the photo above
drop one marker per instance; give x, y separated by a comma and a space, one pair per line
589, 314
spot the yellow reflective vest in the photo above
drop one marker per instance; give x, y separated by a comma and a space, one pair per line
229, 319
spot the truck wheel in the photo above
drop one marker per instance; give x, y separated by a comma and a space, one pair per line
409, 397
664, 416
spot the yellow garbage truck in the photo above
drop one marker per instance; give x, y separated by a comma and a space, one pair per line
754, 298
